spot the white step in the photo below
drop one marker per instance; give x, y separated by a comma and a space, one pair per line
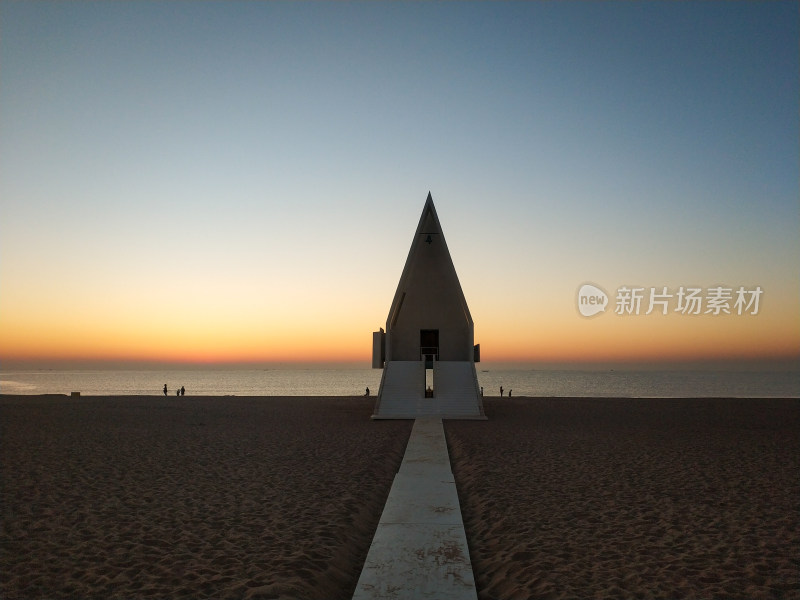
402, 393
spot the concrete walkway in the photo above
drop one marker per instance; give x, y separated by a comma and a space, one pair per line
420, 548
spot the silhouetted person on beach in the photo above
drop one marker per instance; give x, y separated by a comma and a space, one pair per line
177, 392
501, 391
367, 392
481, 391
183, 391
509, 393
165, 389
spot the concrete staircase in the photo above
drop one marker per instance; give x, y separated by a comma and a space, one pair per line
402, 393
456, 388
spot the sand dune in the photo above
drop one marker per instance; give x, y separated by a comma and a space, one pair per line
603, 498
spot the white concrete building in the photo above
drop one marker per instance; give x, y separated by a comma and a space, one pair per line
427, 350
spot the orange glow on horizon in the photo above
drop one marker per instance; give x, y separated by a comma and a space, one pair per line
309, 333
548, 345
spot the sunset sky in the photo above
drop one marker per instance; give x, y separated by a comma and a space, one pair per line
240, 182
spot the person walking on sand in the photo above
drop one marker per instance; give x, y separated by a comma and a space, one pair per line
501, 391
481, 391
165, 389
183, 391
367, 392
509, 393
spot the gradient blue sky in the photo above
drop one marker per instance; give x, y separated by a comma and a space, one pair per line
241, 181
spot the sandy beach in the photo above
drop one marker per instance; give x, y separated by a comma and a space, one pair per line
154, 497
607, 498
191, 498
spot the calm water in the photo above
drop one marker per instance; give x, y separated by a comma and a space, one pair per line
352, 382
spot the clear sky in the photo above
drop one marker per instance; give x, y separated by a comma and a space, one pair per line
216, 182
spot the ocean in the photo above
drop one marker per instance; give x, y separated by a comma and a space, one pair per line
353, 382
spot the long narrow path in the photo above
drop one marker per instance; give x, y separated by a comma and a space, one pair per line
420, 548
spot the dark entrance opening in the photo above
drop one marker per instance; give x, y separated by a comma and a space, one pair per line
429, 352
429, 345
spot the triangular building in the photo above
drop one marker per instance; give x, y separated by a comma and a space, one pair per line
427, 351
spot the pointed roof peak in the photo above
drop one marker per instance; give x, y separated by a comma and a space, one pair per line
428, 261
429, 220
429, 204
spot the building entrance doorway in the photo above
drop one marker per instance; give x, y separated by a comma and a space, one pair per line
429, 346
429, 352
